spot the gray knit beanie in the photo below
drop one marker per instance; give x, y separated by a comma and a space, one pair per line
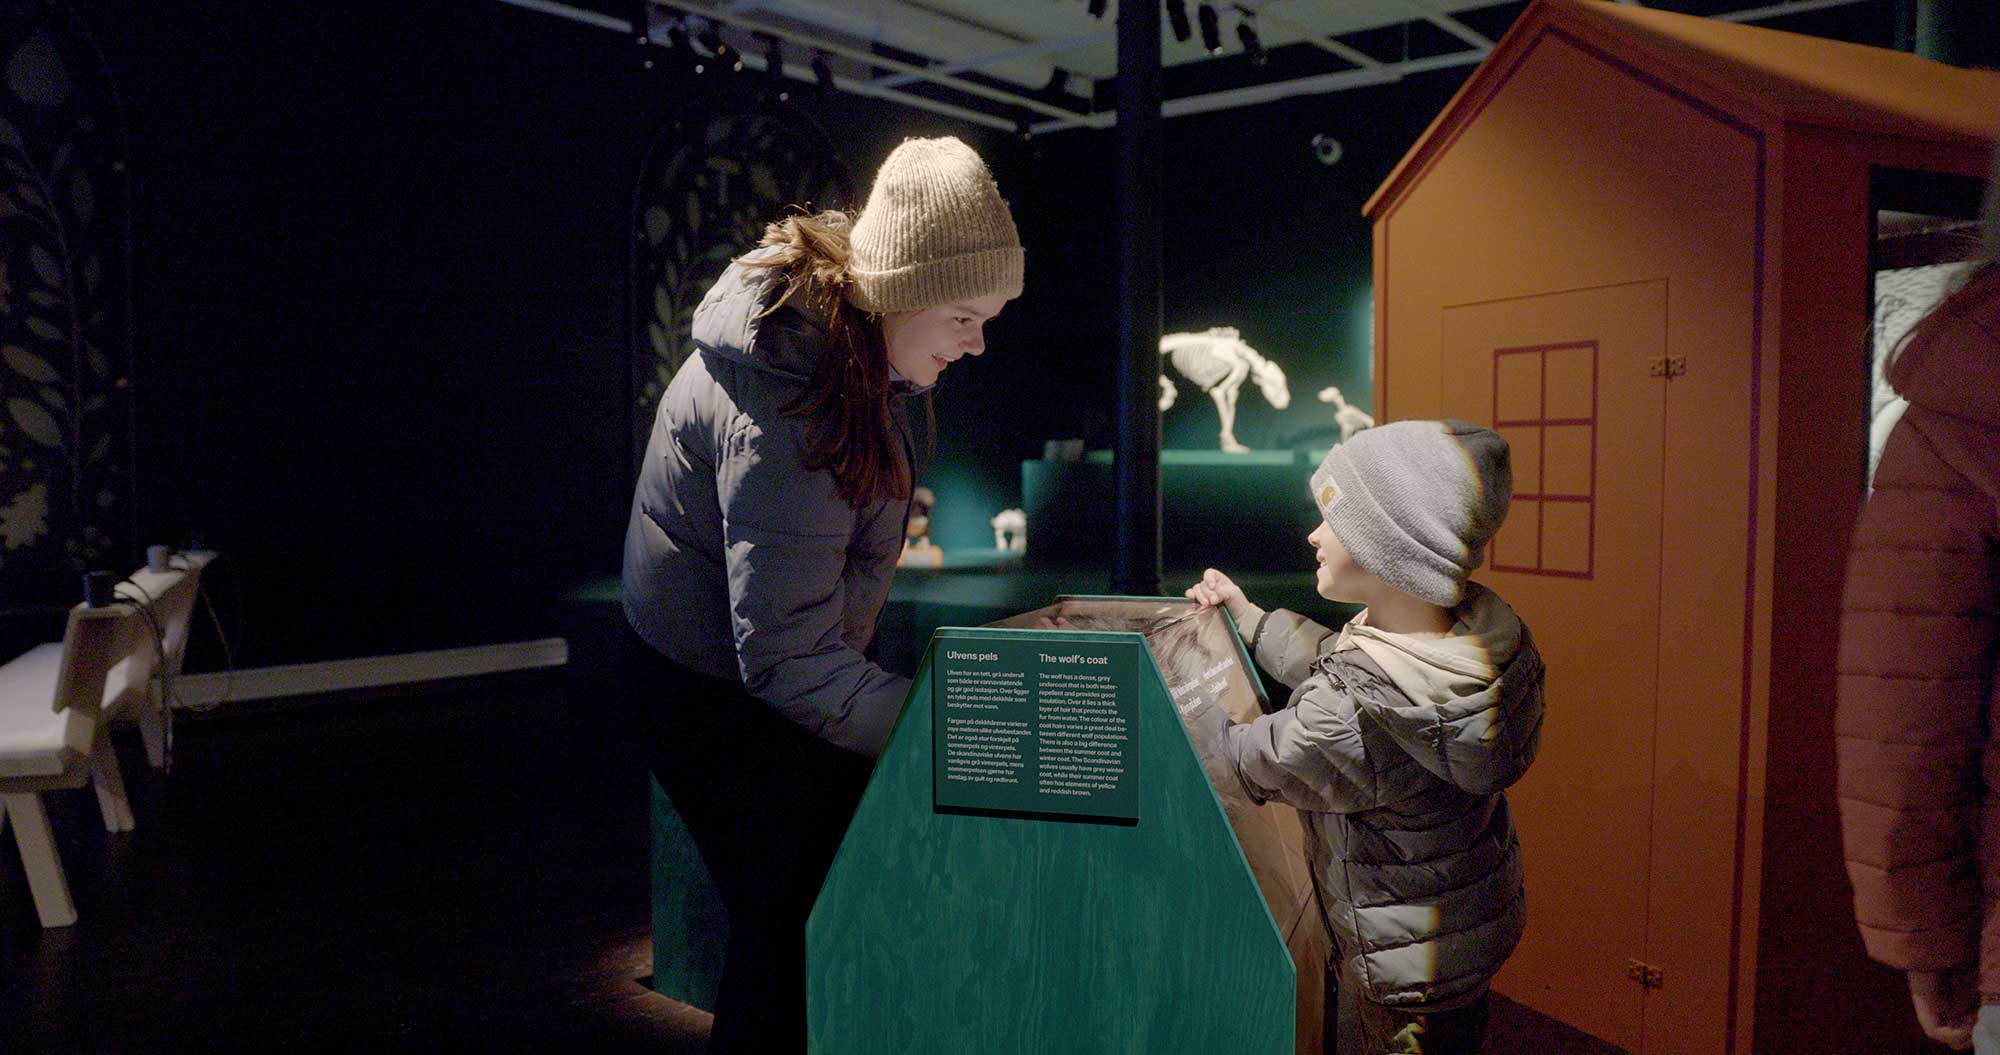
1416, 502
935, 230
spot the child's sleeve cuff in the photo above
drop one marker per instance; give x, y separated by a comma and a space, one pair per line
1257, 634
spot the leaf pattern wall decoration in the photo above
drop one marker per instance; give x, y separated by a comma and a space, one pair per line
65, 338
712, 180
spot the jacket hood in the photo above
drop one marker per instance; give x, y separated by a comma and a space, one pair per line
730, 322
1952, 363
1468, 704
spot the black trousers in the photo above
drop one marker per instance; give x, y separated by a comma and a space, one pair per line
1369, 1028
767, 804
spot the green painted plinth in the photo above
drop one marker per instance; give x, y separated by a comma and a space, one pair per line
690, 925
945, 932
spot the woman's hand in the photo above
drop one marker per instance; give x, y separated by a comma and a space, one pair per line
1947, 1005
1215, 588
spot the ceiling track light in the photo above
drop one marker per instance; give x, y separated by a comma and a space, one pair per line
1097, 8
1058, 82
774, 58
1253, 48
1211, 30
822, 69
711, 38
1177, 16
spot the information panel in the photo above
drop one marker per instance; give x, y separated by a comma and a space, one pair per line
1033, 727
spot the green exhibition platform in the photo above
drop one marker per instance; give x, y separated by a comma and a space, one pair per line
1038, 864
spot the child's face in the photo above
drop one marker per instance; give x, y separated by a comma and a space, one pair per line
1339, 578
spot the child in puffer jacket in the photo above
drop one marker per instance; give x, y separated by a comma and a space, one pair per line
1403, 729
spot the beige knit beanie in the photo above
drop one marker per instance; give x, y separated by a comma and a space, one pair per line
935, 230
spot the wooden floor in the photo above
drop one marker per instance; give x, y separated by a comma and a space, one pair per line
459, 869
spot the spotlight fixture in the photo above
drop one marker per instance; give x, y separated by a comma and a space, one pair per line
1177, 16
1058, 82
1023, 129
1211, 30
823, 72
1326, 148
711, 38
1097, 8
1253, 48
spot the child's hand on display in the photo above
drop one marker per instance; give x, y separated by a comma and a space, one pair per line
1215, 588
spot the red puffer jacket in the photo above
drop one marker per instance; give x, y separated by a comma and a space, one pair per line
1919, 761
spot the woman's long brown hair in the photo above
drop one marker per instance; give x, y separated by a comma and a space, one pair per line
849, 430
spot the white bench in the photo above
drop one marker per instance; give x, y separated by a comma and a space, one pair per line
56, 701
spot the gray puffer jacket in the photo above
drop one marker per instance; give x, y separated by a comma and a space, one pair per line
1397, 748
739, 562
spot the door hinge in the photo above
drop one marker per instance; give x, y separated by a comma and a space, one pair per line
1667, 366
1645, 974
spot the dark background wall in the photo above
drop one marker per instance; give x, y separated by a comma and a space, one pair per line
381, 261
382, 286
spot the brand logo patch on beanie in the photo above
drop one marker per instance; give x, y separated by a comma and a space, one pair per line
1329, 493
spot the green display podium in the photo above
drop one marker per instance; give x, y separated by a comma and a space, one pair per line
1040, 864
690, 924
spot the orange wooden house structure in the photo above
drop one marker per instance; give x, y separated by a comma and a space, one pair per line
1639, 244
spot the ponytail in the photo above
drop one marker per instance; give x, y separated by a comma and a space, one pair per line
849, 430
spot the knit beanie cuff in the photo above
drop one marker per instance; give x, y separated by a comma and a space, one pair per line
1377, 544
930, 283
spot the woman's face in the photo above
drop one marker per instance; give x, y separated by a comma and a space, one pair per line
922, 343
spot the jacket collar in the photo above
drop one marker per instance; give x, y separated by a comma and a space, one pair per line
731, 322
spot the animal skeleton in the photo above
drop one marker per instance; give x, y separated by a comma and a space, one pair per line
1350, 418
1219, 361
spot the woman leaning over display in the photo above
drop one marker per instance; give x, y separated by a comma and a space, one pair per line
768, 516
